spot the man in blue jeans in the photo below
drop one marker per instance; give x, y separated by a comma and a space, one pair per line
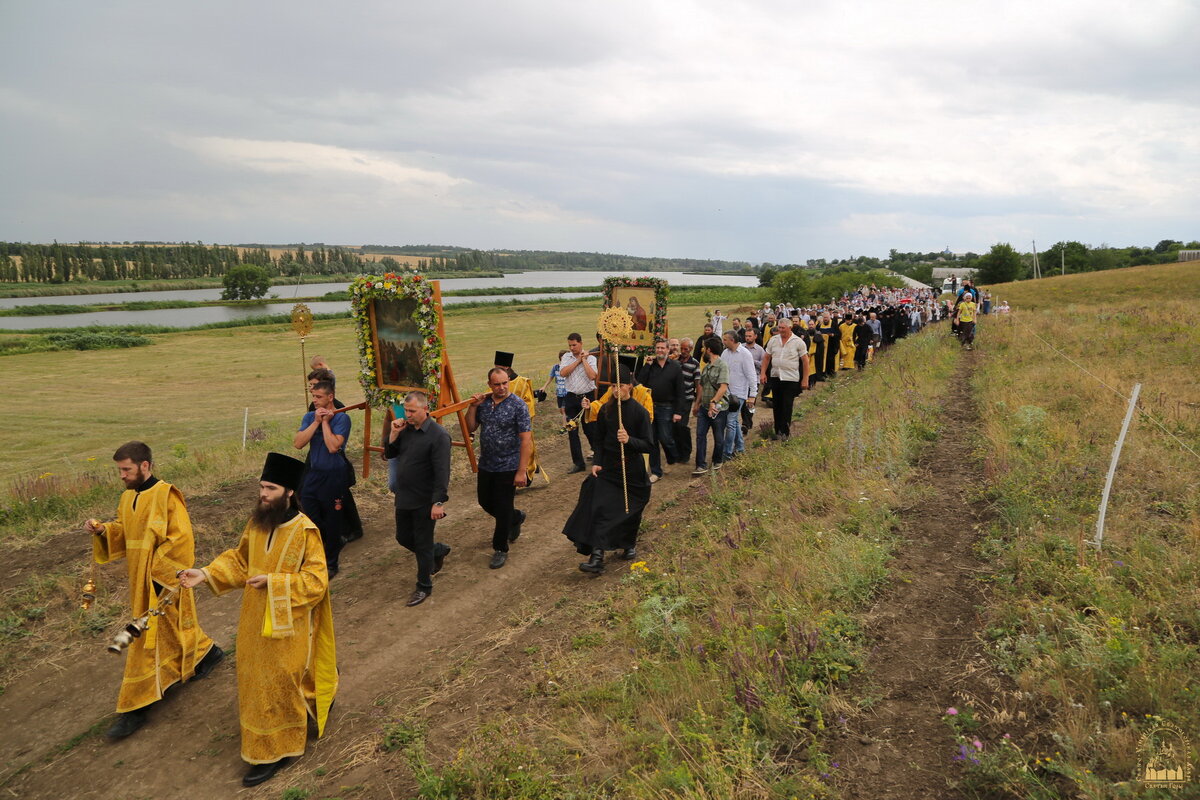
712, 406
664, 378
743, 389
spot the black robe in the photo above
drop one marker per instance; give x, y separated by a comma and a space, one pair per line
599, 521
833, 343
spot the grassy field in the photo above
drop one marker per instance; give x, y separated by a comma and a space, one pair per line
190, 390
721, 665
1106, 643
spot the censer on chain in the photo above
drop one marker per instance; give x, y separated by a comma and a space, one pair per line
136, 627
88, 597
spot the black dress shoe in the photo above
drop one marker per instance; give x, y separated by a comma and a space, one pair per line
208, 663
438, 559
594, 564
577, 468
516, 528
498, 559
629, 553
259, 773
127, 723
418, 597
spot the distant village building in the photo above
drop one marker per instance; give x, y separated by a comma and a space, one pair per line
1189, 255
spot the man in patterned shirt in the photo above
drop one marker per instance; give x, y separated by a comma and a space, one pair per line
505, 442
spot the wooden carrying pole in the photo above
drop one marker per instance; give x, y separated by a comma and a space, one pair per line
448, 401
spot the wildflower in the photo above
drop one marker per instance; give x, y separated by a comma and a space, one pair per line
1119, 563
978, 744
639, 566
951, 711
1008, 736
92, 458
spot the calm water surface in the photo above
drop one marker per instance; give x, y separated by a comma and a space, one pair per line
191, 317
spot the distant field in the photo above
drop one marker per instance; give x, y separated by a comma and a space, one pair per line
190, 388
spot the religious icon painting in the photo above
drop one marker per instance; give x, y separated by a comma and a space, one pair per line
645, 300
397, 343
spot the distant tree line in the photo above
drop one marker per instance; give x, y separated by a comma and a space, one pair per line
62, 263
1001, 264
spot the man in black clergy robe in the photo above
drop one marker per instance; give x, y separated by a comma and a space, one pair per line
600, 521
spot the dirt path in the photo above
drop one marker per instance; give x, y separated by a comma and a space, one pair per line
925, 657
455, 656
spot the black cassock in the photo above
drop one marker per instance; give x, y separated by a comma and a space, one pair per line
599, 521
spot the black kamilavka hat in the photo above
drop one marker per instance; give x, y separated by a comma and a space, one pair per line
283, 471
503, 359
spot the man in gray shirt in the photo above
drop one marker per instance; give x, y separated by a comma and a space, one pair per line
418, 449
743, 389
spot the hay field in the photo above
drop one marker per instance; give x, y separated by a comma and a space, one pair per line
190, 389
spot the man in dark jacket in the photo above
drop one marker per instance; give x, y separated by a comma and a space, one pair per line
663, 376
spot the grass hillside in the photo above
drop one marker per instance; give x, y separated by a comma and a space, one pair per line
1105, 644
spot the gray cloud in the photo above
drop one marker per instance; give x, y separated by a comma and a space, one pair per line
752, 131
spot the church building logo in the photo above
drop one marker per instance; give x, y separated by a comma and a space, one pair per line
1164, 758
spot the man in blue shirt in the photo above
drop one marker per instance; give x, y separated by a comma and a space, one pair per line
505, 444
327, 481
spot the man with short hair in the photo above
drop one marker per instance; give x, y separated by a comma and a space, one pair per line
421, 483
352, 527
286, 655
505, 444
664, 378
743, 389
786, 364
153, 533
711, 406
718, 323
327, 480
579, 370
698, 348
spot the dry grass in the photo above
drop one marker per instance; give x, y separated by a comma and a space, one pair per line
190, 389
1113, 646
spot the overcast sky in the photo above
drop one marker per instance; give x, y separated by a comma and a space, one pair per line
757, 131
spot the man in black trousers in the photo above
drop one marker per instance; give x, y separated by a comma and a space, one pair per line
505, 443
663, 376
420, 480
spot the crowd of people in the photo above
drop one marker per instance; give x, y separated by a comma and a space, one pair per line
636, 420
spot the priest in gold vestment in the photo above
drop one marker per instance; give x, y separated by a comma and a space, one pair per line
153, 533
286, 658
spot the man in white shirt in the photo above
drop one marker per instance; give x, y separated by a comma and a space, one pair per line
743, 389
718, 322
786, 362
578, 368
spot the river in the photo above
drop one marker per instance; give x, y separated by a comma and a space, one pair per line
192, 317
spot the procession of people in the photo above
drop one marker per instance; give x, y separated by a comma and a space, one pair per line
636, 419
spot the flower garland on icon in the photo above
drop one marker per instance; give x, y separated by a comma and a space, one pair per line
395, 286
661, 291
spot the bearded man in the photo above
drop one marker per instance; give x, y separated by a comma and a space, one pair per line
286, 659
153, 533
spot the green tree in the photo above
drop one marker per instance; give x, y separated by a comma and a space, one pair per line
792, 286
1001, 264
767, 276
245, 282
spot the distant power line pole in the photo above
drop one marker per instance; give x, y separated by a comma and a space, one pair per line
1037, 270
